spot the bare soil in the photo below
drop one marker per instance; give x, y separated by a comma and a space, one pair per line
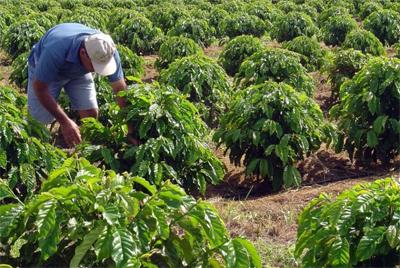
5, 69
151, 72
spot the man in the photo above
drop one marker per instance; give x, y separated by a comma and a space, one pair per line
65, 57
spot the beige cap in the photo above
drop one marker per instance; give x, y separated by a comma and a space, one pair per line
100, 49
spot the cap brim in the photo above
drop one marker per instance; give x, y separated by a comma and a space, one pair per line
105, 69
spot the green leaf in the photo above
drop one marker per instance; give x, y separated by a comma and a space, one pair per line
240, 253
264, 168
369, 242
379, 124
373, 105
291, 176
5, 191
3, 159
103, 246
252, 166
85, 245
393, 236
124, 247
9, 218
111, 214
339, 253
48, 229
372, 139
151, 188
282, 152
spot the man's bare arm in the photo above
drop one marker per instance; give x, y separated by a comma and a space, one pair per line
42, 93
118, 86
69, 129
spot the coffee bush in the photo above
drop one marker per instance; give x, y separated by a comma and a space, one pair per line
236, 51
368, 112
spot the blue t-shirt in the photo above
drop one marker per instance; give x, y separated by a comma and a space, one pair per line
56, 55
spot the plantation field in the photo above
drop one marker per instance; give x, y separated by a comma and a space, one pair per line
269, 137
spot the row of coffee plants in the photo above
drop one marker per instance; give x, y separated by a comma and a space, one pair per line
360, 228
74, 214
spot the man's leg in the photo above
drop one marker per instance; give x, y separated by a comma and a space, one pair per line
35, 108
82, 94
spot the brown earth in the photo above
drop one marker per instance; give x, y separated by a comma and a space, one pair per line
5, 69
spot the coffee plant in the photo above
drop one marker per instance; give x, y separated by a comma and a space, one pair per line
289, 26
24, 159
166, 15
21, 36
360, 228
364, 41
139, 35
266, 12
193, 28
368, 112
384, 24
368, 8
242, 24
236, 51
19, 74
312, 55
204, 81
171, 134
345, 65
175, 47
87, 16
132, 64
84, 216
268, 128
333, 11
336, 28
274, 64
118, 15
217, 15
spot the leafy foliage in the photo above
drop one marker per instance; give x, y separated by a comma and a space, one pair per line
166, 15
236, 51
266, 12
364, 41
242, 24
173, 48
193, 28
384, 24
275, 64
203, 80
360, 228
87, 16
313, 56
368, 8
336, 28
117, 15
293, 24
86, 216
368, 113
24, 159
270, 127
172, 137
19, 74
333, 11
21, 36
139, 34
345, 65
132, 64
217, 15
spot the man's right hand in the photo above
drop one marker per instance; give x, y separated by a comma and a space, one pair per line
71, 133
